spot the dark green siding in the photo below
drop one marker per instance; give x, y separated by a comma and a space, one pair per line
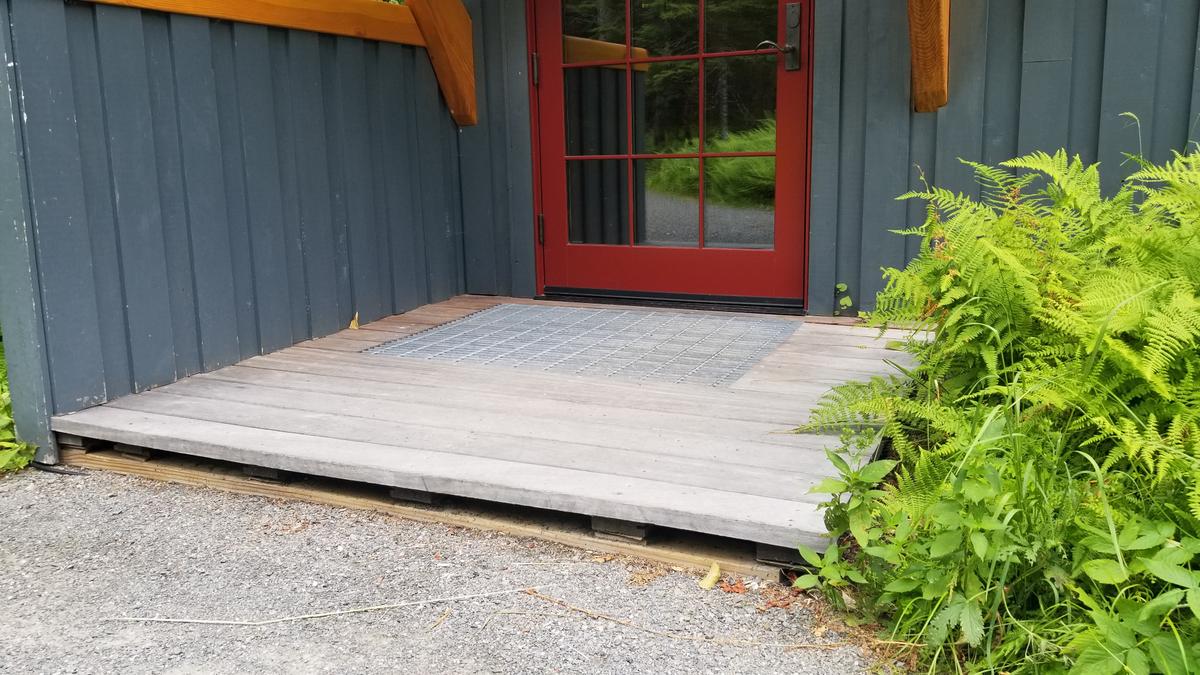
1024, 75
195, 192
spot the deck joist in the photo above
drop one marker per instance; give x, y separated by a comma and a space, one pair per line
718, 461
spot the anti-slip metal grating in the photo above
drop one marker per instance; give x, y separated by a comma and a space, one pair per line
656, 345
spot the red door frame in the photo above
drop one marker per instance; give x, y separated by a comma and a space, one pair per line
682, 266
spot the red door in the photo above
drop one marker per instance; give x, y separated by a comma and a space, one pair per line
673, 147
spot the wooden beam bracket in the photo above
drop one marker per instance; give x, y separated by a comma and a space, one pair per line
929, 42
446, 25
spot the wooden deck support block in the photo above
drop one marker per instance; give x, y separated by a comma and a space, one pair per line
266, 474
779, 556
416, 496
622, 529
85, 444
134, 451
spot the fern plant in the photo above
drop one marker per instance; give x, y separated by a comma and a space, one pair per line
1044, 512
14, 454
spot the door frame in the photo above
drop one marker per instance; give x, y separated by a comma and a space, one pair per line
532, 55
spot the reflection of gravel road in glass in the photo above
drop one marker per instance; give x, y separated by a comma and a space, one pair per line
671, 219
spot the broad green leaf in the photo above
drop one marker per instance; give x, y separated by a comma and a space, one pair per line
876, 471
1129, 533
1161, 605
1098, 544
1105, 571
810, 556
837, 461
943, 621
1136, 662
980, 543
1145, 541
1193, 601
946, 514
977, 490
884, 553
1097, 660
946, 543
806, 581
971, 621
831, 486
1168, 572
902, 585
859, 520
1165, 653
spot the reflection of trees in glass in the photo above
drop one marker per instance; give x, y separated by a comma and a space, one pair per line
665, 27
734, 181
595, 19
671, 103
739, 113
739, 96
740, 90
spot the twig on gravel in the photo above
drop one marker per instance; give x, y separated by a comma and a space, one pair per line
434, 626
322, 615
729, 642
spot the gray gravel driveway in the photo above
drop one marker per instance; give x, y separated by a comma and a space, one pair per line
76, 551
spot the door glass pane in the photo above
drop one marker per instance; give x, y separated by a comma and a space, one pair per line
600, 20
739, 202
598, 201
667, 202
595, 110
739, 104
665, 27
737, 25
666, 101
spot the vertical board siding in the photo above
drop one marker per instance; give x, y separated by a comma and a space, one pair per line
57, 208
1024, 75
202, 191
496, 158
20, 297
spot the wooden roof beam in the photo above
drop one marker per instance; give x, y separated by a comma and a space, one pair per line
367, 19
929, 41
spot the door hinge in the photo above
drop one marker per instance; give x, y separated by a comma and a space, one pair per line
541, 228
534, 58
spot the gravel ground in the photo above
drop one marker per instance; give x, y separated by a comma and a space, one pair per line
77, 550
674, 219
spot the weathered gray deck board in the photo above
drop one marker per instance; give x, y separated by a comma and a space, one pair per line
708, 459
509, 442
730, 514
535, 410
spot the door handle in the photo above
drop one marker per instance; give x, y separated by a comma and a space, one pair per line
792, 36
791, 45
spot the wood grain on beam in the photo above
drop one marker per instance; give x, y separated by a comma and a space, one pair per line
446, 26
929, 40
368, 19
581, 50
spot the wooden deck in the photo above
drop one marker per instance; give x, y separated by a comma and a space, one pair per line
713, 460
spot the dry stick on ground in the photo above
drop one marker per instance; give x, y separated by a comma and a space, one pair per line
322, 615
729, 642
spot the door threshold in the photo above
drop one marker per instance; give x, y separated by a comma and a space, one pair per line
787, 306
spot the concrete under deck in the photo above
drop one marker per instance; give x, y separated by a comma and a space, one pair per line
713, 460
